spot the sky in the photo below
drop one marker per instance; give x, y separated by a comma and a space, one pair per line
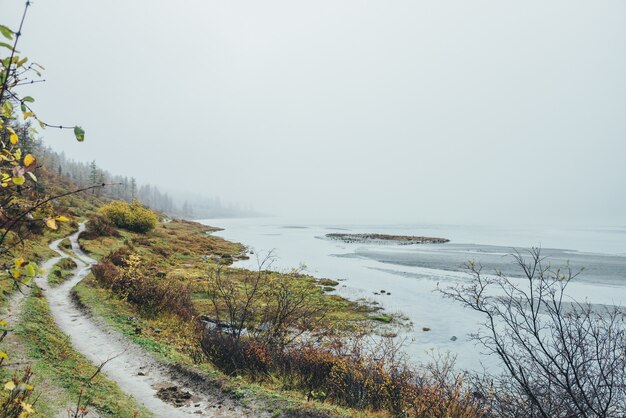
354, 110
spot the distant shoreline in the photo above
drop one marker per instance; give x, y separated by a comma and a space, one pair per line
385, 239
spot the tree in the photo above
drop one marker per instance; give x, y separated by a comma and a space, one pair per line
23, 206
562, 358
93, 174
133, 189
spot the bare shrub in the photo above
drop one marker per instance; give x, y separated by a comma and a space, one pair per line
99, 226
271, 309
562, 358
348, 372
153, 296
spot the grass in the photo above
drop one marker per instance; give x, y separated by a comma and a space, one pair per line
383, 318
34, 248
61, 271
60, 372
185, 251
165, 339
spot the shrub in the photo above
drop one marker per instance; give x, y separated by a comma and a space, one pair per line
560, 357
118, 257
133, 217
99, 226
235, 356
105, 273
377, 380
153, 296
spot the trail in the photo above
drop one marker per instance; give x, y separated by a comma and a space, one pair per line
130, 366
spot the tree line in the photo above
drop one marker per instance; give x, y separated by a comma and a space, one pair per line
127, 188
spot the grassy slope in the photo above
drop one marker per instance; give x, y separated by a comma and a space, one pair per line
61, 371
181, 250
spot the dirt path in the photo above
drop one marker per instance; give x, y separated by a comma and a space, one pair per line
131, 367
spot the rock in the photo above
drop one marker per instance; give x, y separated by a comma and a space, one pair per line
453, 338
425, 329
382, 291
141, 374
174, 395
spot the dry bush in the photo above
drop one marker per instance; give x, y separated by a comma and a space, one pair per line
273, 310
561, 358
153, 296
265, 327
118, 257
236, 356
99, 226
106, 274
346, 373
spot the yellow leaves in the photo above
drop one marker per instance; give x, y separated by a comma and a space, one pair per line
52, 224
19, 180
20, 262
27, 409
28, 115
4, 355
12, 135
31, 271
5, 180
29, 160
10, 385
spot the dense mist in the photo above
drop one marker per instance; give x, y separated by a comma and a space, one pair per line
404, 111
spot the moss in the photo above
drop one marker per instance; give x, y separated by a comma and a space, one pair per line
382, 318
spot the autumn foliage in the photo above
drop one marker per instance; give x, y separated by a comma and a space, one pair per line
123, 275
131, 216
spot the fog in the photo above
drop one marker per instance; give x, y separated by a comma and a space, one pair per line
404, 111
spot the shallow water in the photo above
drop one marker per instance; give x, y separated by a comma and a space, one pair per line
410, 274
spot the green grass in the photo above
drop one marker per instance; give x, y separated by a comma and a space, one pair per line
61, 271
34, 248
66, 245
383, 318
60, 372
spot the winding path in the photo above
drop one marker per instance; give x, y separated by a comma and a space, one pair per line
130, 366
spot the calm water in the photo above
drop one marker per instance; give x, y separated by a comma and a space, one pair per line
410, 274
